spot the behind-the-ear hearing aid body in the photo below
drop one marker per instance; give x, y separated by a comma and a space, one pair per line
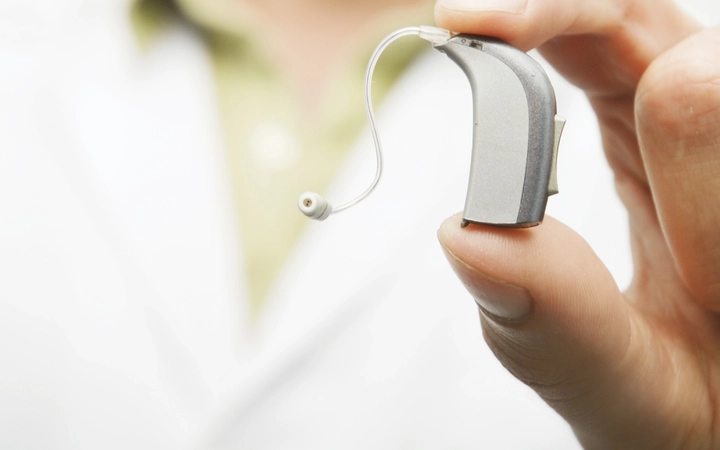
516, 131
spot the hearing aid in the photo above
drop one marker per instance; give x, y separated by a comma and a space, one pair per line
516, 131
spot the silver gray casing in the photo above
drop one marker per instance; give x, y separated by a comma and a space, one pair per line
514, 132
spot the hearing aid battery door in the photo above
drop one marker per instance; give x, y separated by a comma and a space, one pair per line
514, 132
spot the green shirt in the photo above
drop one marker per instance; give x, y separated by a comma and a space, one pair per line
274, 151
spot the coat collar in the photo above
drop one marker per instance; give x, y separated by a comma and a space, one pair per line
163, 188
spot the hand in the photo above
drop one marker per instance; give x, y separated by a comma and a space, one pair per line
632, 370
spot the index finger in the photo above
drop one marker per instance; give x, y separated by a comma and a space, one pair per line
530, 23
603, 47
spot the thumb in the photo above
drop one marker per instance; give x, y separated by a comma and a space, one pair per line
551, 312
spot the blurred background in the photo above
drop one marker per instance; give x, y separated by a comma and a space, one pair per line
159, 288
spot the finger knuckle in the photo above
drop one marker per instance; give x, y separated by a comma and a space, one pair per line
682, 85
531, 365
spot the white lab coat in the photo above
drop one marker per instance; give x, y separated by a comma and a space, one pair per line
122, 312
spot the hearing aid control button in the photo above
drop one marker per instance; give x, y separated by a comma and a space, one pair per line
553, 183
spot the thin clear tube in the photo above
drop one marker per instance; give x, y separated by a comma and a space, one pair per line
371, 114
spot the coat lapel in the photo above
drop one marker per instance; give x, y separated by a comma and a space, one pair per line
156, 167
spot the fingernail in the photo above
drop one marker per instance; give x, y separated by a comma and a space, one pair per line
511, 6
503, 300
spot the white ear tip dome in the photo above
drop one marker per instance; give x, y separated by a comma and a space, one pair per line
314, 206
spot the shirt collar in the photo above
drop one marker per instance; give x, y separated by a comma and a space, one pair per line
150, 17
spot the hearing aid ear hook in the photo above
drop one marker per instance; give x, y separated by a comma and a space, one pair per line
314, 205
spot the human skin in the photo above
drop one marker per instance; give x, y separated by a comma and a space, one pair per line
632, 370
325, 34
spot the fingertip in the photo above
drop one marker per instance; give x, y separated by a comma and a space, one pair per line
523, 25
552, 261
509, 26
448, 232
489, 249
528, 25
